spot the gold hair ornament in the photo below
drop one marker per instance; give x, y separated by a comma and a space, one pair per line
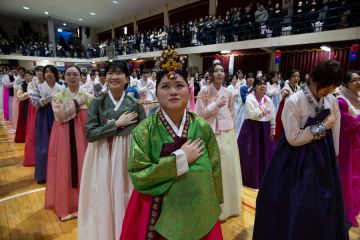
171, 61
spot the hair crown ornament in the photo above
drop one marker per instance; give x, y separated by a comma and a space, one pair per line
170, 61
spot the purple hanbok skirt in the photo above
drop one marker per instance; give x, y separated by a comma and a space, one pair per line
255, 149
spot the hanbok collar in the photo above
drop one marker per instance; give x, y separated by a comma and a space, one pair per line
352, 97
74, 95
260, 100
178, 131
214, 88
293, 89
116, 103
318, 106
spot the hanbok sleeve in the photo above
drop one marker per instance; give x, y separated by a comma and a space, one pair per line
22, 95
203, 108
147, 176
141, 89
243, 94
6, 82
231, 105
336, 128
348, 122
215, 160
291, 121
141, 112
63, 111
95, 130
270, 90
36, 99
272, 116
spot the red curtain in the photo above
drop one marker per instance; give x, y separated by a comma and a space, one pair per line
305, 61
207, 63
225, 60
245, 63
252, 63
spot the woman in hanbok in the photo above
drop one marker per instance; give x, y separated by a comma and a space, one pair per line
240, 113
23, 95
192, 97
29, 150
85, 84
67, 146
291, 86
255, 141
216, 105
105, 184
5, 96
233, 87
273, 89
349, 150
146, 90
8, 82
300, 196
41, 99
176, 171
18, 80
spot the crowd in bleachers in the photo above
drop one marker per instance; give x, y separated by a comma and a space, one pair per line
252, 22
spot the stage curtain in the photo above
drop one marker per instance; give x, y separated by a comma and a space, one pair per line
305, 61
245, 63
252, 63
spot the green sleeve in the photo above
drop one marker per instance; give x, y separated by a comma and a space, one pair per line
147, 176
214, 156
95, 130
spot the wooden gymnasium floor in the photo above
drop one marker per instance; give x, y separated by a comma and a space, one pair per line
22, 215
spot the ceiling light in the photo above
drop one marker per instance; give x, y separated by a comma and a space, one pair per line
325, 48
64, 24
46, 12
225, 51
93, 62
26, 8
116, 2
59, 30
134, 59
92, 13
80, 19
110, 60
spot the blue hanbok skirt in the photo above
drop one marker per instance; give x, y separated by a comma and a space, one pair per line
44, 122
300, 196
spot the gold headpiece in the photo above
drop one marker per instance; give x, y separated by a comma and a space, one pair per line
171, 61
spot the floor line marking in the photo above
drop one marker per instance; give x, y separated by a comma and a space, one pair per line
22, 194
